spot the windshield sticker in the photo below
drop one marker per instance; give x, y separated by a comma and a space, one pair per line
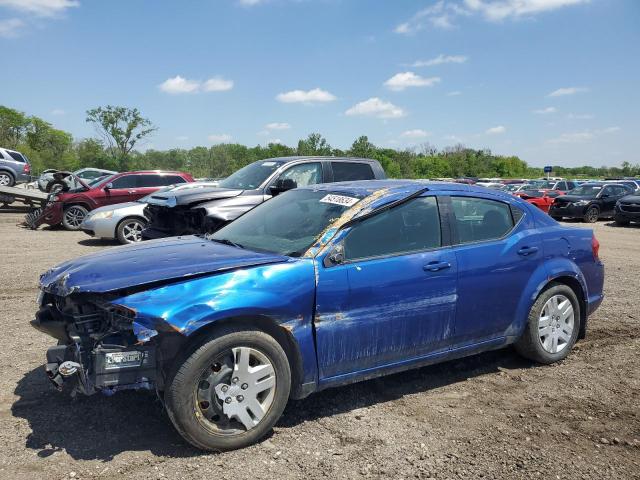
268, 164
339, 200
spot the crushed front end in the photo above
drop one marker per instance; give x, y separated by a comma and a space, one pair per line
100, 346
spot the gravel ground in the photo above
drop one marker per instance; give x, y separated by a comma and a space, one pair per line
489, 416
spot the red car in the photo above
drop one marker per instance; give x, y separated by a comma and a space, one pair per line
70, 207
540, 198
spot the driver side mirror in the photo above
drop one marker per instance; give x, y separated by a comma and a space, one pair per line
108, 186
335, 256
282, 185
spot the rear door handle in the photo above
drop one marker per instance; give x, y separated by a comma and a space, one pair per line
524, 251
435, 266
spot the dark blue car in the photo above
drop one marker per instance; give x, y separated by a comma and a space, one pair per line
318, 287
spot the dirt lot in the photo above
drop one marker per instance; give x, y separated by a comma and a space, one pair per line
490, 416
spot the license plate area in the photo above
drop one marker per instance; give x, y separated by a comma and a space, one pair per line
120, 360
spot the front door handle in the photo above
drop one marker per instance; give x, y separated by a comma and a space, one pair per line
436, 266
524, 251
133, 191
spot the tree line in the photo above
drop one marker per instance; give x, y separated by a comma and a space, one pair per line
120, 130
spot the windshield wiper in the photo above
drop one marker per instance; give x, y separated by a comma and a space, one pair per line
226, 241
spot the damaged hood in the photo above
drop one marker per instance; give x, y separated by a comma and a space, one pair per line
191, 196
149, 262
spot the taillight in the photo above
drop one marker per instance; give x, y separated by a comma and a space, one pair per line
27, 168
595, 247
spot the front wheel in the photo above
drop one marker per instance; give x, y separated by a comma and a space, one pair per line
73, 216
621, 222
130, 230
591, 215
552, 326
230, 391
6, 179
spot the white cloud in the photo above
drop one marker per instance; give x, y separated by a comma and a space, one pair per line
274, 140
452, 138
179, 84
375, 107
545, 111
403, 80
416, 133
11, 27
576, 137
439, 60
220, 138
277, 126
250, 3
498, 10
561, 92
316, 95
217, 84
580, 116
182, 138
610, 130
496, 130
455, 93
41, 8
443, 13
58, 111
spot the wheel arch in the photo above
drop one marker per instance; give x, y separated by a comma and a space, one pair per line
9, 172
574, 284
268, 325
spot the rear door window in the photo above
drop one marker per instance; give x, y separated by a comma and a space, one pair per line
350, 171
480, 219
126, 181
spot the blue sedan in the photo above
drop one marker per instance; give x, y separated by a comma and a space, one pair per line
318, 287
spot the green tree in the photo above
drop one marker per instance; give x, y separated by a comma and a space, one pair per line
314, 144
362, 148
121, 128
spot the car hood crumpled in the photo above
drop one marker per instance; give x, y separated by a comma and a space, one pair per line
151, 262
191, 196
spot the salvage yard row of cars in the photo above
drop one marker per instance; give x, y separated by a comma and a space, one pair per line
298, 274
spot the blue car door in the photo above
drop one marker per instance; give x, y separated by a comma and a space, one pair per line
497, 249
393, 296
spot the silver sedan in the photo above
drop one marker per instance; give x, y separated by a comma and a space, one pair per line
125, 221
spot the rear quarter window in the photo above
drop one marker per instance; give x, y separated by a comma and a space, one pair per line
351, 171
16, 156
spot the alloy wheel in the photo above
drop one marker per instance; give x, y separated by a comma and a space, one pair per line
592, 215
5, 180
236, 391
132, 231
74, 216
556, 324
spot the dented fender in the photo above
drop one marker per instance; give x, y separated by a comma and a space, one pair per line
282, 292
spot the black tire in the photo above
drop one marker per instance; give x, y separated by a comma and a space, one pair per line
556, 218
123, 235
72, 217
591, 215
181, 398
529, 345
53, 183
621, 222
6, 179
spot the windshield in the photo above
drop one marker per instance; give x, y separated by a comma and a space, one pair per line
287, 224
586, 190
251, 176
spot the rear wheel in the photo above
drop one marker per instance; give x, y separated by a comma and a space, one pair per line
592, 214
621, 222
552, 326
73, 216
6, 179
556, 218
130, 230
230, 391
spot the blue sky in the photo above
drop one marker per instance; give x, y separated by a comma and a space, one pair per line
552, 81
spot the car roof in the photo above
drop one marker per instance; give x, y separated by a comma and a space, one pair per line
317, 157
364, 188
161, 172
